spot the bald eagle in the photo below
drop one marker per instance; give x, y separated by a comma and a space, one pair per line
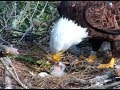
74, 25
62, 29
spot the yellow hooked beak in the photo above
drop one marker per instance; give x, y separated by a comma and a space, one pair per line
57, 57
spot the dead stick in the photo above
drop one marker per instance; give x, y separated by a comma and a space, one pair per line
7, 80
4, 60
111, 85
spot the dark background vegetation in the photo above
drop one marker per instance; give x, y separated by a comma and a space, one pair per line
27, 26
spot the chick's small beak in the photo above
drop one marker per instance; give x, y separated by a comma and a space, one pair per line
57, 57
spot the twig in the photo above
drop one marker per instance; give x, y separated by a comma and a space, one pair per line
13, 69
21, 17
9, 16
34, 11
115, 22
4, 40
7, 80
97, 82
50, 24
25, 33
77, 80
7, 64
111, 85
41, 47
43, 9
98, 86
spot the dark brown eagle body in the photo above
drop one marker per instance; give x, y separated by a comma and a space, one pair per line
100, 15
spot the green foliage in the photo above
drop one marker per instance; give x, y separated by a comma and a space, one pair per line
27, 59
45, 65
20, 15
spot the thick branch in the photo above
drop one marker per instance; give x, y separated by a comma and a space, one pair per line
7, 64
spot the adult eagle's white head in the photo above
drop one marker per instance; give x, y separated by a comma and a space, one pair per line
65, 34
